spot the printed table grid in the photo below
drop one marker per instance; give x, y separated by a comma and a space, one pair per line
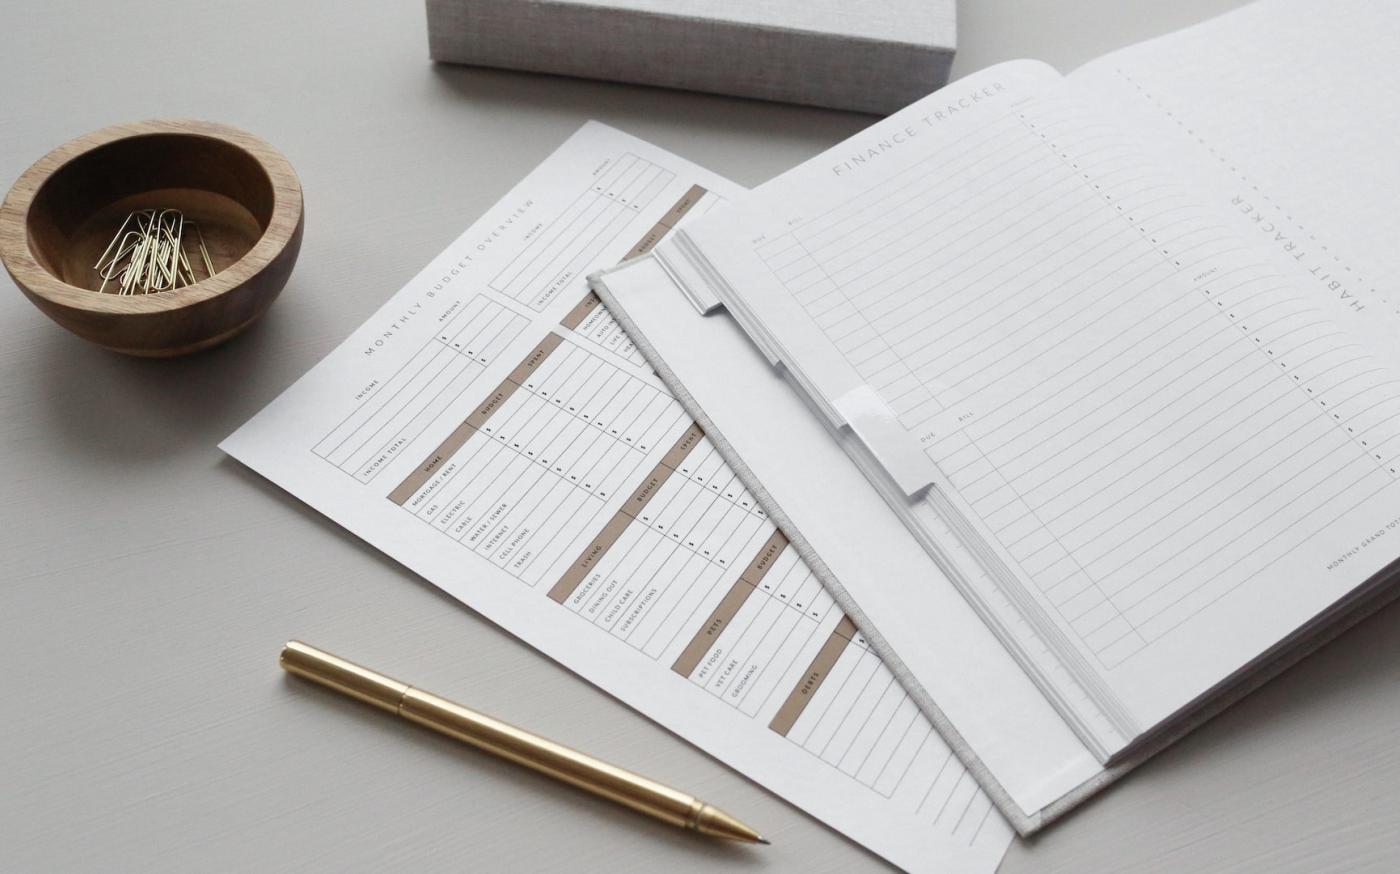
849, 711
948, 341
592, 321
560, 436
566, 431
566, 246
396, 412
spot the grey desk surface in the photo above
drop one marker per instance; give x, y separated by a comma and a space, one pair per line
148, 581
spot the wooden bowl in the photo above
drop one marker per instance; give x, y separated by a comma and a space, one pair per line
61, 214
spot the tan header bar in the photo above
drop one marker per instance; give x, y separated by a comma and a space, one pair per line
817, 673
630, 510
476, 421
713, 627
421, 474
729, 606
564, 589
668, 221
758, 568
681, 448
574, 317
683, 206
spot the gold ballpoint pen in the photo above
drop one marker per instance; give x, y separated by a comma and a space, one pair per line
515, 744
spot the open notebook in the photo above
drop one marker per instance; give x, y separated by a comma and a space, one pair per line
1082, 389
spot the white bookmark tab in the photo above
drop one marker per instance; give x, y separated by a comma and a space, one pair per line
871, 420
698, 288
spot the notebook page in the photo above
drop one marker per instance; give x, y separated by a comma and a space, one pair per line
493, 429
1134, 447
1282, 110
1281, 113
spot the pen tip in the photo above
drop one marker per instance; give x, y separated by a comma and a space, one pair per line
764, 841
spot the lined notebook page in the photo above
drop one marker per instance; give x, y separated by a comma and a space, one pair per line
1141, 416
1280, 110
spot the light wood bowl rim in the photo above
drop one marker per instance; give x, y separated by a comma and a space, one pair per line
15, 247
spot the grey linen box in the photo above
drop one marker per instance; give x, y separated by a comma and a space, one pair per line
865, 55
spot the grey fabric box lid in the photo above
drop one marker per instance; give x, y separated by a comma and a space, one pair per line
874, 56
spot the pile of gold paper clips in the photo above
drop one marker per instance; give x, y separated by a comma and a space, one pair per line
147, 255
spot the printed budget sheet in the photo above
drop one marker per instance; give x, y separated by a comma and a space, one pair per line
493, 429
